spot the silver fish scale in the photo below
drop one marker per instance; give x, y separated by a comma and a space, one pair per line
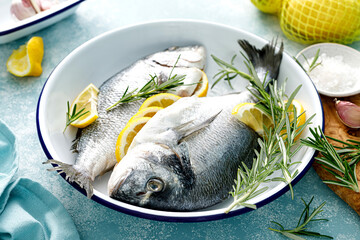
215, 152
210, 150
96, 145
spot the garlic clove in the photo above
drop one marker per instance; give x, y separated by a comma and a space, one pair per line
349, 113
44, 4
36, 5
22, 9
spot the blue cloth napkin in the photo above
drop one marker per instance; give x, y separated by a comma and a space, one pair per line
27, 210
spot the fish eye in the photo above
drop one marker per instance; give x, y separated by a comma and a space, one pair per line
155, 185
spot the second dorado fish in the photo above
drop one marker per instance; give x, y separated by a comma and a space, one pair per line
186, 157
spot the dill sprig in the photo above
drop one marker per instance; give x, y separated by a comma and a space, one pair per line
301, 228
75, 115
152, 87
312, 65
340, 163
277, 147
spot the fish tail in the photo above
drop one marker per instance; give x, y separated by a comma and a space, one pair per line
73, 175
266, 61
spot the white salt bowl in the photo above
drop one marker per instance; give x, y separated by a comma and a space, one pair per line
350, 57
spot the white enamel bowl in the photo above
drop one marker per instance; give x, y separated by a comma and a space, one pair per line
350, 56
12, 29
100, 58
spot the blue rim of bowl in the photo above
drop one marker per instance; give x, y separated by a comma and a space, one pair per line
3, 33
178, 218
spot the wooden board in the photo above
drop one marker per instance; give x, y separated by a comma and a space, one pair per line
335, 128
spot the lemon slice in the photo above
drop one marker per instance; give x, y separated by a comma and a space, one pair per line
252, 117
146, 112
87, 99
127, 135
202, 87
301, 116
160, 100
26, 61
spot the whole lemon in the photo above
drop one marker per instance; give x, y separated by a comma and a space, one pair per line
268, 6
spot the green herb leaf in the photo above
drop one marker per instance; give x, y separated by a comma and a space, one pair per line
275, 151
70, 118
340, 163
152, 87
312, 65
305, 218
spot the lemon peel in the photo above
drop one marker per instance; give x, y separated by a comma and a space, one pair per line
268, 6
127, 135
160, 100
146, 112
202, 87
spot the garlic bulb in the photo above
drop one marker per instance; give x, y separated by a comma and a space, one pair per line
349, 113
22, 9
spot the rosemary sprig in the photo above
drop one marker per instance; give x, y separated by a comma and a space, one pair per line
336, 161
152, 87
350, 151
305, 218
313, 64
278, 145
74, 115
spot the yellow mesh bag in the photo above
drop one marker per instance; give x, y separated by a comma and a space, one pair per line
310, 21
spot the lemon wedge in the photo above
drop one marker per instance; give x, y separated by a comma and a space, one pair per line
86, 100
127, 135
202, 87
146, 112
160, 100
26, 61
252, 117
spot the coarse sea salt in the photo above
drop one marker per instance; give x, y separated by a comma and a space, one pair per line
334, 75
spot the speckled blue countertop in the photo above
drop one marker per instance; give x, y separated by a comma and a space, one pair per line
19, 96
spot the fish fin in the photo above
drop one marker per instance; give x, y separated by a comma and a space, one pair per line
266, 60
185, 129
74, 146
72, 175
183, 150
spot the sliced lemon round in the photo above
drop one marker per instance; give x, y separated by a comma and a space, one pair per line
86, 100
202, 87
146, 112
160, 100
252, 117
127, 135
301, 116
26, 61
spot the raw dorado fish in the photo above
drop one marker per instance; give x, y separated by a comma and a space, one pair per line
186, 157
96, 143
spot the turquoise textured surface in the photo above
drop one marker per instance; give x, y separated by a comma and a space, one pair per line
27, 210
19, 96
